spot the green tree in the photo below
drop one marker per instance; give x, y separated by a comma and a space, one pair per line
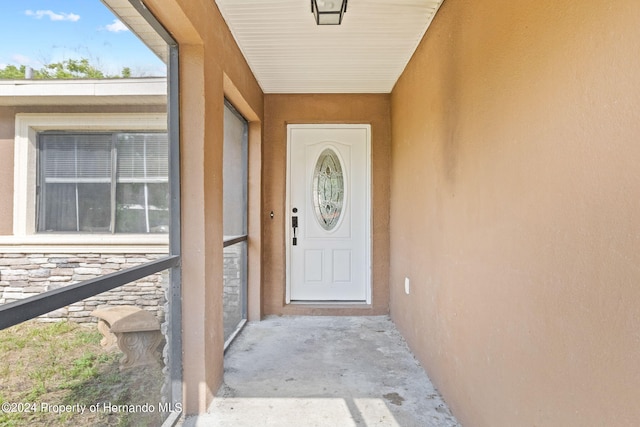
12, 72
70, 69
67, 69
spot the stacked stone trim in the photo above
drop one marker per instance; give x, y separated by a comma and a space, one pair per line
233, 282
25, 275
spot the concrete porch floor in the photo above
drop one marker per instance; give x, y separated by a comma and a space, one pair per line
324, 371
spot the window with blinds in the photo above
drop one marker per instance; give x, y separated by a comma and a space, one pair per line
103, 182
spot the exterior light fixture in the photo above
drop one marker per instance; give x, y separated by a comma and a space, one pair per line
328, 12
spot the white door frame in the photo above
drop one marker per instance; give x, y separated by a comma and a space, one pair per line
287, 212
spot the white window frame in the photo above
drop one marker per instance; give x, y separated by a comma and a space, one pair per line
27, 127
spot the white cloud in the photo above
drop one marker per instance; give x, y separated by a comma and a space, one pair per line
117, 26
22, 59
62, 16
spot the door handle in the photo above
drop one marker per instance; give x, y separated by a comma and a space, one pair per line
294, 224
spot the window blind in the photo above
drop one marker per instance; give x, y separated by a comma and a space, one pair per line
143, 157
76, 158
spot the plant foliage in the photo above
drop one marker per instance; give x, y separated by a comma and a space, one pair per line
66, 69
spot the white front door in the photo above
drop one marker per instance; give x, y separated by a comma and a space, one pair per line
328, 218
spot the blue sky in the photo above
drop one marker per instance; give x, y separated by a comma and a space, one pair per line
38, 32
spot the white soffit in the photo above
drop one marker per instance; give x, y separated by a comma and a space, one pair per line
139, 26
289, 53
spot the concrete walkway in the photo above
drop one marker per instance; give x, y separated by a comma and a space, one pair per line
324, 371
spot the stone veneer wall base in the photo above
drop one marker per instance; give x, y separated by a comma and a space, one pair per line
25, 275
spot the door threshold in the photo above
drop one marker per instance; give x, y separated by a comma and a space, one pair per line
329, 303
327, 308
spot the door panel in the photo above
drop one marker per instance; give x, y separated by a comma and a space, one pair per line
342, 265
313, 265
328, 199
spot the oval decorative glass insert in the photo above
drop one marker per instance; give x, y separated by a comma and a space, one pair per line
328, 189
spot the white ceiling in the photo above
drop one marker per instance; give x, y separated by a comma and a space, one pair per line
289, 53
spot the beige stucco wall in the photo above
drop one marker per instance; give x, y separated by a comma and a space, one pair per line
7, 134
281, 110
515, 210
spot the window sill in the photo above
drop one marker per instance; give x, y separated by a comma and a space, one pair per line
69, 243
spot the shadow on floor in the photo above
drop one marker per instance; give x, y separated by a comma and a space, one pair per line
324, 371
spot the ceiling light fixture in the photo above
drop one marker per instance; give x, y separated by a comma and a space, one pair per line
328, 12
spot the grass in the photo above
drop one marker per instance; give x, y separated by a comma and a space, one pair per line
48, 364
